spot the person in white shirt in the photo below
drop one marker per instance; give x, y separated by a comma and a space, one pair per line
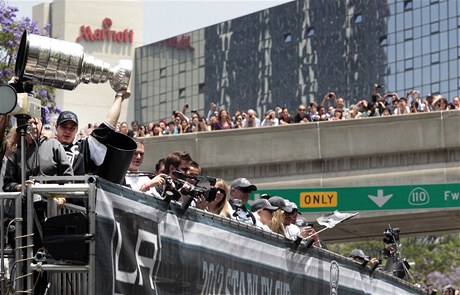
140, 181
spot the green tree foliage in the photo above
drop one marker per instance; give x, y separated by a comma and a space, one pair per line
436, 258
10, 38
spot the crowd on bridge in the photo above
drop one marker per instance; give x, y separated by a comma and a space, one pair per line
331, 108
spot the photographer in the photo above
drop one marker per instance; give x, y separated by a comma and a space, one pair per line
270, 119
179, 161
142, 181
358, 256
302, 114
251, 119
240, 190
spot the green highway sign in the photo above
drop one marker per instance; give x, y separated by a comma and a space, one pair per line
402, 197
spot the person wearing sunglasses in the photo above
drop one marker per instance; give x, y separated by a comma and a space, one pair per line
240, 190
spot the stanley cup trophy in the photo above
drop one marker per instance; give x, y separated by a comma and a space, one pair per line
62, 64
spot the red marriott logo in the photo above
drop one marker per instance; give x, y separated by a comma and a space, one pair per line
125, 36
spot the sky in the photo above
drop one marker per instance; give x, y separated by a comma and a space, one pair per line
164, 14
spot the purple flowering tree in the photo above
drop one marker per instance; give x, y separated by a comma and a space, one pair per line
10, 37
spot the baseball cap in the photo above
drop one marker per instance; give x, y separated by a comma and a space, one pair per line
357, 253
262, 204
243, 183
280, 203
67, 116
294, 207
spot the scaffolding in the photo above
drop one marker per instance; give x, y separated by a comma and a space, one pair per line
64, 277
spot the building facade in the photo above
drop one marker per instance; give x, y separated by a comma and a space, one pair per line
107, 30
297, 52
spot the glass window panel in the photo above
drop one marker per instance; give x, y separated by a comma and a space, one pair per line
400, 67
426, 48
400, 82
453, 71
399, 7
426, 60
435, 12
416, 4
445, 88
454, 85
452, 8
426, 30
444, 71
435, 73
392, 68
391, 54
443, 25
443, 10
435, 42
417, 32
399, 23
400, 37
452, 53
435, 57
408, 64
408, 19
425, 13
426, 76
391, 39
417, 19
391, 83
435, 88
452, 23
408, 80
399, 51
408, 48
434, 27
443, 41
417, 77
444, 56
408, 34
418, 62
417, 47
453, 38
391, 23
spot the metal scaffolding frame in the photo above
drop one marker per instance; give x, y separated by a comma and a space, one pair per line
61, 273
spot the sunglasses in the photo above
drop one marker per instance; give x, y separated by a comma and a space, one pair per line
222, 191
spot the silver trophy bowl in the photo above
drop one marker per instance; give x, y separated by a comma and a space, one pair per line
62, 64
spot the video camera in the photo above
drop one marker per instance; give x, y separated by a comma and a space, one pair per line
18, 100
391, 235
193, 190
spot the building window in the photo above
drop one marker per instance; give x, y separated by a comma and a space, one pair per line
182, 93
163, 73
408, 5
358, 18
310, 32
435, 58
383, 41
287, 38
201, 88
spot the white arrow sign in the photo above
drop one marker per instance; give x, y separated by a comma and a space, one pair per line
380, 199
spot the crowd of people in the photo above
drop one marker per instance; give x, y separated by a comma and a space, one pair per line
331, 108
177, 174
64, 150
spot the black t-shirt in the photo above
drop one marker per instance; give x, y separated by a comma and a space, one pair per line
79, 153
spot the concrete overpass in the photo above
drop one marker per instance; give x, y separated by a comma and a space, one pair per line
415, 149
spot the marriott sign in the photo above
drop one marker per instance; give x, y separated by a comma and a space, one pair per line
86, 33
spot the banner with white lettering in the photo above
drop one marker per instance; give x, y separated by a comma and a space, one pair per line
144, 246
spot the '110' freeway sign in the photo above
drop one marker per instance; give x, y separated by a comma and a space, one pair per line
407, 197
